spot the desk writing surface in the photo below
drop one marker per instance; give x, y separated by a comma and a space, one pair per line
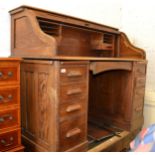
90, 58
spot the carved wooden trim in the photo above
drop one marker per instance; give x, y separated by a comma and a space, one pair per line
129, 50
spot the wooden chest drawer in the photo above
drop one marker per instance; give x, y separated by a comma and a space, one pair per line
73, 93
73, 73
8, 74
72, 133
9, 140
9, 96
9, 118
69, 109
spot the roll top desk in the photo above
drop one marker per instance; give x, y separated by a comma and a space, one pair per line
82, 83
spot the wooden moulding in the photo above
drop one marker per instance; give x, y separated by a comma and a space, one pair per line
128, 50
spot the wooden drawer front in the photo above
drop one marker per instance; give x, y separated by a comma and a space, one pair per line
140, 68
69, 109
72, 73
72, 133
9, 96
9, 118
8, 74
72, 93
9, 140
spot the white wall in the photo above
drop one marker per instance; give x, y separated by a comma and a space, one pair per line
102, 11
137, 20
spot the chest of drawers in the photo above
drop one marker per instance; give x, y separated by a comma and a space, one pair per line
10, 132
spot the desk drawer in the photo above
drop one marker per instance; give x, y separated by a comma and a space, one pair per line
9, 140
72, 133
73, 73
9, 118
69, 109
73, 92
9, 96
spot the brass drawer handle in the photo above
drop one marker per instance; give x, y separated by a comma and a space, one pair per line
4, 143
73, 132
3, 118
10, 74
74, 74
74, 91
8, 99
1, 74
5, 77
73, 108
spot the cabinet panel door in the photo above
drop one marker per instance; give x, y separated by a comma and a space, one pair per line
39, 104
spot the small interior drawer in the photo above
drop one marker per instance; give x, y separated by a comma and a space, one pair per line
9, 96
9, 140
9, 118
72, 133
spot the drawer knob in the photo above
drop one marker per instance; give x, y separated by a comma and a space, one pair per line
4, 143
10, 74
10, 96
1, 74
3, 118
1, 97
73, 132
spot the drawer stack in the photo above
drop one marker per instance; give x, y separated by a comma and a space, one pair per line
138, 97
73, 105
10, 132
